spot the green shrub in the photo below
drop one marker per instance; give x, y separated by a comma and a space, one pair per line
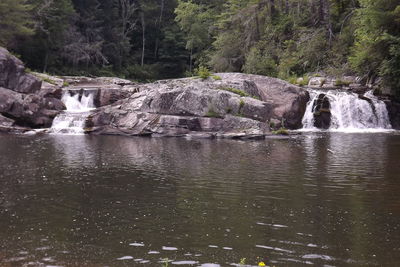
342, 83
300, 81
49, 81
203, 72
212, 114
281, 131
216, 77
234, 90
65, 84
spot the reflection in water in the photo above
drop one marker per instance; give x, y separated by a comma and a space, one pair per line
317, 199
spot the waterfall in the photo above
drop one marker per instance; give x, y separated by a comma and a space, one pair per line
347, 112
73, 119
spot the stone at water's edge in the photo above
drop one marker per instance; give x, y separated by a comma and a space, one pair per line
188, 106
289, 101
22, 103
393, 108
29, 109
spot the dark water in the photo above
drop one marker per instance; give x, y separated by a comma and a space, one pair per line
322, 199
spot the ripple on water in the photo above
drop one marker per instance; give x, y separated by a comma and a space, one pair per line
169, 248
125, 258
135, 244
184, 262
275, 249
318, 256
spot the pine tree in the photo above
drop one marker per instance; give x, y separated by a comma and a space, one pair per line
16, 20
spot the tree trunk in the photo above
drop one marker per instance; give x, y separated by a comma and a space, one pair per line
273, 8
143, 37
191, 60
46, 59
160, 19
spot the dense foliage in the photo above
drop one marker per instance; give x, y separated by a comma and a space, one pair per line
150, 39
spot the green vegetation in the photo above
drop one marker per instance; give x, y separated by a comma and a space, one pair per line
216, 77
165, 262
241, 105
235, 91
302, 81
342, 83
203, 72
212, 114
50, 81
281, 131
65, 84
153, 39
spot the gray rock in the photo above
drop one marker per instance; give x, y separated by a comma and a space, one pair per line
29, 110
13, 75
289, 101
185, 107
6, 122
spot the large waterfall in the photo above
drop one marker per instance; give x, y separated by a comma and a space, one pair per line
73, 119
345, 111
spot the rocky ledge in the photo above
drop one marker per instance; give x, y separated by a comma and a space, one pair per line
229, 105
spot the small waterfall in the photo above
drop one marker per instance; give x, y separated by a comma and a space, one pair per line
73, 119
348, 112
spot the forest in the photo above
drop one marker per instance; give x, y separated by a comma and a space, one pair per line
154, 39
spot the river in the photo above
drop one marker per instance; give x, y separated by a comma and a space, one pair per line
318, 198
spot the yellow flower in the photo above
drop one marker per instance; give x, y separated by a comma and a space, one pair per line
261, 264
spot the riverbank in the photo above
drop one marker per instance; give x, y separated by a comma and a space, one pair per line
221, 105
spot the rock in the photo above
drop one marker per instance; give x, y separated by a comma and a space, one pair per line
322, 113
316, 82
104, 94
289, 101
29, 110
393, 108
6, 122
13, 75
183, 107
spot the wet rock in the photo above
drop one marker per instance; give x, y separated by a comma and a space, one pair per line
29, 109
322, 113
393, 108
6, 122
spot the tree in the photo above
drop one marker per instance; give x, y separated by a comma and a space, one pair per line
16, 20
377, 47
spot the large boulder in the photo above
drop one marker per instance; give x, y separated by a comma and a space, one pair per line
182, 107
29, 109
13, 75
289, 101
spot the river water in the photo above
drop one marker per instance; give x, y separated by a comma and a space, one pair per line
320, 198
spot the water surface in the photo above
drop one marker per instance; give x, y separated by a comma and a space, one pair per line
325, 199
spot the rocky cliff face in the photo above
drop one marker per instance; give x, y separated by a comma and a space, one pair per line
22, 103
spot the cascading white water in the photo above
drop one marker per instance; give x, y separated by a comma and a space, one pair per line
72, 120
349, 112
